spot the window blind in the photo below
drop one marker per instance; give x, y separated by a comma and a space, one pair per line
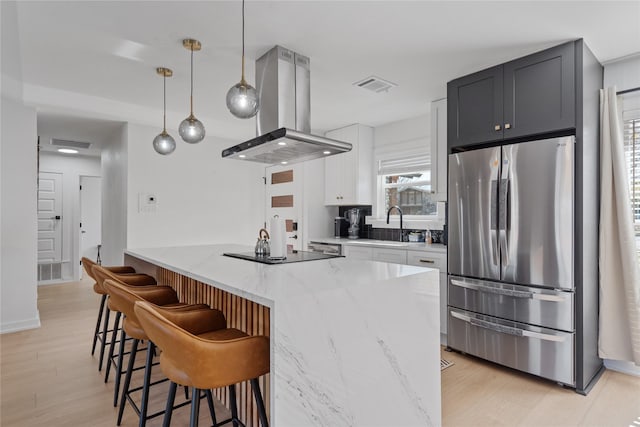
397, 166
631, 135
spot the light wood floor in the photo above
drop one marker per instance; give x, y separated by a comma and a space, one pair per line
49, 378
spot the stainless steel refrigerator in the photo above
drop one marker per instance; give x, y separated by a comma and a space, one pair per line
511, 290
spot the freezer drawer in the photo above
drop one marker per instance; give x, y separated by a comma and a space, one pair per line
541, 307
543, 352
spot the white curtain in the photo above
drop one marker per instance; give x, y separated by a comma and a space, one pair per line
619, 337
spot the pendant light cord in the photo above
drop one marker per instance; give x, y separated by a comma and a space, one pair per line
242, 79
191, 98
164, 102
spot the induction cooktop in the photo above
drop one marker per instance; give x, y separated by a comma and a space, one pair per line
295, 256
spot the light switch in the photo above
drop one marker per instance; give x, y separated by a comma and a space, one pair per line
147, 203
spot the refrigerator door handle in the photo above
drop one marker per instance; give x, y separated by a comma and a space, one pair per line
504, 212
494, 222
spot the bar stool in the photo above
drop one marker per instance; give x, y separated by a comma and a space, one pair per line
129, 273
123, 298
205, 359
134, 279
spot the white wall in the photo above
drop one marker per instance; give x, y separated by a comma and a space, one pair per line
18, 157
114, 198
624, 74
409, 134
201, 198
71, 167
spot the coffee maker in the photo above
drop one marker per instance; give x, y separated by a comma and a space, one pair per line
353, 216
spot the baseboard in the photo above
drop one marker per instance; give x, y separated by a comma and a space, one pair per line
622, 366
22, 325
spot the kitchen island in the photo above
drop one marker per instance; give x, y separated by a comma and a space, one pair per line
353, 343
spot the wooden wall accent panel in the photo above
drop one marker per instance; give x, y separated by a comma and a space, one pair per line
243, 314
282, 177
288, 225
282, 201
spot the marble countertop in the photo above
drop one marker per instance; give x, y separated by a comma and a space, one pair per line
412, 246
353, 342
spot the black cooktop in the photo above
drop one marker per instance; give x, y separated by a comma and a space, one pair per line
295, 256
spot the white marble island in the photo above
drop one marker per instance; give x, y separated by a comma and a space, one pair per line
353, 343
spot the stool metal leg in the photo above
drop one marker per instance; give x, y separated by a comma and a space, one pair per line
112, 345
234, 404
127, 379
123, 337
105, 329
262, 413
145, 386
171, 398
97, 331
212, 409
195, 407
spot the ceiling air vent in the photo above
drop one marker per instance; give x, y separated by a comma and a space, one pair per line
375, 84
70, 144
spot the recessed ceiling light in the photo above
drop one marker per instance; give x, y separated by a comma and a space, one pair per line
282, 143
326, 152
242, 156
67, 150
284, 163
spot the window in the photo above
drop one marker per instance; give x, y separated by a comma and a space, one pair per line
631, 138
406, 182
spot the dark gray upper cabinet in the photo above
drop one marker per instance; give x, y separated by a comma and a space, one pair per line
528, 96
474, 108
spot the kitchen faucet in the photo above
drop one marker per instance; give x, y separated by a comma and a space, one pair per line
400, 211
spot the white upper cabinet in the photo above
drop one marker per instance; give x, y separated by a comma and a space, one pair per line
349, 176
439, 150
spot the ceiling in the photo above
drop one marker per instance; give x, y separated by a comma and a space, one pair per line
106, 52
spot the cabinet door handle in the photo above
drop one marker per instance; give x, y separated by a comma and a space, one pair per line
507, 126
497, 127
428, 261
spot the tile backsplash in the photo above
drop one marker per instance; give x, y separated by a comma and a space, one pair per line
392, 234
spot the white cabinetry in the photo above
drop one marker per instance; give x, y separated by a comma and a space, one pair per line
357, 252
439, 150
434, 260
399, 256
349, 176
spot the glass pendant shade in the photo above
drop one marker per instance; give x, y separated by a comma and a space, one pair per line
191, 130
164, 143
243, 101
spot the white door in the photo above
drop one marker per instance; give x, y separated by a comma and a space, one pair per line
90, 216
49, 217
284, 198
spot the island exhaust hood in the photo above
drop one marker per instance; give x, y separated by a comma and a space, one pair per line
283, 123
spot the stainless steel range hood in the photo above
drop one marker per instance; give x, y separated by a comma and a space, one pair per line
283, 121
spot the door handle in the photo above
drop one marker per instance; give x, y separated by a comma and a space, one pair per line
295, 236
57, 217
494, 225
83, 231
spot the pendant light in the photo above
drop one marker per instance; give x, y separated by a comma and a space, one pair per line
164, 143
242, 98
191, 129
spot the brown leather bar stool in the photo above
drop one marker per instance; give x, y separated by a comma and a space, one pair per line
128, 273
205, 358
123, 298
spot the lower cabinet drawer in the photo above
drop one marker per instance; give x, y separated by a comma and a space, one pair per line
540, 351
